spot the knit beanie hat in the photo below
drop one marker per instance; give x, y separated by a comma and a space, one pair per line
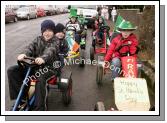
59, 28
47, 24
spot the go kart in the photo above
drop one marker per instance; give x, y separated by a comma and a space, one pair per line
26, 97
76, 49
130, 90
100, 47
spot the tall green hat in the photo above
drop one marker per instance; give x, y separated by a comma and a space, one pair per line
117, 23
73, 12
126, 25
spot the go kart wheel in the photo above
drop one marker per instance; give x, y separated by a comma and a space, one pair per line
139, 68
99, 74
139, 73
67, 93
82, 57
92, 53
99, 106
46, 98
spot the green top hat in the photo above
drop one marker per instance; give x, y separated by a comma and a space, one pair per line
117, 23
73, 12
126, 25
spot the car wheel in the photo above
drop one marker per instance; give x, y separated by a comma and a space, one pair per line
15, 19
28, 17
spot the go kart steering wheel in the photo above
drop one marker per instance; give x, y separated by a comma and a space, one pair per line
27, 61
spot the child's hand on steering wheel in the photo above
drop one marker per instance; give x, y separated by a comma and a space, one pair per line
106, 65
39, 61
21, 57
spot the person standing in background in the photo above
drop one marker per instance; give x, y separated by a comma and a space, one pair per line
114, 14
104, 12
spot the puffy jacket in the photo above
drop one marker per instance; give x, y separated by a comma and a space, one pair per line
115, 49
47, 50
63, 46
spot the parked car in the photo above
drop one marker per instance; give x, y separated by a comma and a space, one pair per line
27, 13
89, 12
40, 12
55, 10
65, 10
61, 10
49, 9
10, 15
58, 11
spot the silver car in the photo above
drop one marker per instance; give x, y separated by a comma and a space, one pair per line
26, 13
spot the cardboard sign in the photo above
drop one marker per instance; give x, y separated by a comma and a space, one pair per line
131, 94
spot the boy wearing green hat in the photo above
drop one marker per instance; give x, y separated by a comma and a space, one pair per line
117, 48
73, 20
73, 16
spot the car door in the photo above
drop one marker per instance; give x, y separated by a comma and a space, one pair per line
6, 15
31, 13
35, 12
12, 15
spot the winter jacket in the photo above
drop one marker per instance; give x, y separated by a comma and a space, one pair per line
63, 46
79, 31
116, 48
47, 50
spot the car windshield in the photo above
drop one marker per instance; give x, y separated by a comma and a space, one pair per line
22, 9
85, 6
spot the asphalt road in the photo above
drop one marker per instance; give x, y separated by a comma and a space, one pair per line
85, 90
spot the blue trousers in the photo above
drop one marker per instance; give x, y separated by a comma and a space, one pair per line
115, 67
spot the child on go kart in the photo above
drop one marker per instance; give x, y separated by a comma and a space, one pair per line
60, 34
73, 20
116, 49
99, 33
44, 49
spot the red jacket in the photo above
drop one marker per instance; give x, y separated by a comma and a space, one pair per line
117, 42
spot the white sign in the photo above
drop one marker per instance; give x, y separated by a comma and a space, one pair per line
131, 94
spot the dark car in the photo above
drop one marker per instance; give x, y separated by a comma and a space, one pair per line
10, 15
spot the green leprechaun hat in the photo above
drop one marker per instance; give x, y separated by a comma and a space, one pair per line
126, 25
73, 12
117, 23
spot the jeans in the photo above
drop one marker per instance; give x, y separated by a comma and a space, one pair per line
115, 67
